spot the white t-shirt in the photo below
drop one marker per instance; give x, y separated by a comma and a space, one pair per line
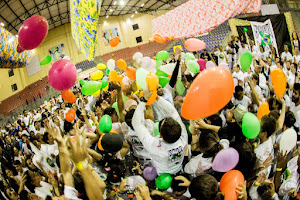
287, 55
263, 151
296, 110
44, 191
246, 101
239, 75
297, 58
50, 149
219, 55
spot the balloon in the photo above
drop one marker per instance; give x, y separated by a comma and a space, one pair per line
114, 41
146, 63
70, 116
156, 129
68, 96
158, 38
121, 64
113, 76
101, 66
163, 81
152, 98
225, 160
106, 88
153, 65
224, 65
111, 64
194, 44
90, 87
150, 173
66, 58
99, 143
115, 106
162, 55
278, 82
97, 75
137, 56
193, 66
62, 75
288, 140
189, 56
82, 82
131, 73
105, 124
201, 62
209, 93
180, 87
120, 78
152, 81
246, 60
245, 30
250, 125
105, 78
263, 110
107, 71
20, 49
33, 32
164, 181
168, 68
96, 94
125, 98
46, 60
161, 73
158, 64
229, 181
210, 64
104, 83
141, 74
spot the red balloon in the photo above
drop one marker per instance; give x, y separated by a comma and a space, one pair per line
70, 116
202, 63
33, 32
20, 49
68, 96
209, 93
229, 181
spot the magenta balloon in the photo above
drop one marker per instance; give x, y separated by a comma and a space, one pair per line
20, 49
62, 75
33, 32
194, 44
225, 160
150, 173
202, 63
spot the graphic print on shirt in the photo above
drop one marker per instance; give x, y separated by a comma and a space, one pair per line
136, 143
175, 155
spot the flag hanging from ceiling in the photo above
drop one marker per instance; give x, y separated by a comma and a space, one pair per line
196, 17
84, 23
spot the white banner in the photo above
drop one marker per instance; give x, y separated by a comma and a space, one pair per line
264, 35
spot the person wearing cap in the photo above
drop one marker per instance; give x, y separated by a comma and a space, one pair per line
168, 151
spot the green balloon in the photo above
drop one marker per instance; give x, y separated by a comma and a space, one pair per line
115, 106
104, 83
105, 124
158, 64
156, 129
162, 55
163, 81
141, 74
180, 87
250, 125
90, 87
46, 60
246, 60
125, 98
189, 56
82, 82
245, 30
107, 72
193, 66
161, 73
164, 181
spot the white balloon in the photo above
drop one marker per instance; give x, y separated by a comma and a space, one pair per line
66, 58
137, 56
146, 63
210, 64
288, 140
111, 64
168, 68
153, 64
224, 65
126, 80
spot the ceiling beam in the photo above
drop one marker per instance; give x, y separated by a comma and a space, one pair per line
48, 5
13, 11
124, 7
59, 13
8, 23
25, 8
37, 7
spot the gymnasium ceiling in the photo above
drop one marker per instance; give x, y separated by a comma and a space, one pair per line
57, 12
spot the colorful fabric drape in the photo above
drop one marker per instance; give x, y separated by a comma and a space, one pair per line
196, 17
290, 26
84, 23
9, 57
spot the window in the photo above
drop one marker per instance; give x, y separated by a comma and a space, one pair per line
139, 39
135, 26
14, 87
11, 73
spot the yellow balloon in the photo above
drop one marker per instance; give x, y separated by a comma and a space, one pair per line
106, 88
101, 66
97, 75
96, 94
138, 87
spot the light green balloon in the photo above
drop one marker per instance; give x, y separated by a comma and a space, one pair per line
162, 55
46, 60
115, 106
189, 56
141, 74
160, 73
180, 87
105, 124
90, 87
193, 66
125, 98
82, 82
250, 125
246, 60
158, 64
104, 83
163, 81
156, 129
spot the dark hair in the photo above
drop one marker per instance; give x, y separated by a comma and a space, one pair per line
170, 130
275, 114
209, 143
290, 119
215, 120
237, 90
46, 137
297, 87
271, 100
24, 195
268, 125
175, 184
128, 118
17, 162
110, 111
280, 62
28, 183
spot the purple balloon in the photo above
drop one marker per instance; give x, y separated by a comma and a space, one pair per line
33, 32
62, 75
146, 63
150, 173
201, 62
225, 160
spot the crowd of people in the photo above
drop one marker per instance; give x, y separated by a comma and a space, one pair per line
43, 156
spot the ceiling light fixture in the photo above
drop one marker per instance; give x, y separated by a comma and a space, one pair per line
136, 12
132, 15
1, 24
115, 3
122, 2
107, 16
105, 23
111, 10
142, 5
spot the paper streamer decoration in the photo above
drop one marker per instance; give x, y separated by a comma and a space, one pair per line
84, 23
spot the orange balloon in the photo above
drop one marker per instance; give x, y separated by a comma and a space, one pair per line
120, 78
114, 41
121, 64
113, 76
209, 93
278, 82
229, 181
172, 38
158, 38
70, 116
167, 38
263, 110
131, 73
152, 98
113, 131
153, 58
99, 143
152, 81
68, 96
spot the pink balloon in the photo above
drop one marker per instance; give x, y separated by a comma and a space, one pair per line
147, 63
202, 63
224, 65
62, 75
126, 80
33, 32
150, 173
194, 44
226, 160
20, 49
210, 64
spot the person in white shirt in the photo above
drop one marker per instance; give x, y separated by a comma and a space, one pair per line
286, 55
238, 72
167, 152
296, 57
295, 106
262, 53
242, 49
240, 97
222, 56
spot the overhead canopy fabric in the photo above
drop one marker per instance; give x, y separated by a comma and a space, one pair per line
196, 17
